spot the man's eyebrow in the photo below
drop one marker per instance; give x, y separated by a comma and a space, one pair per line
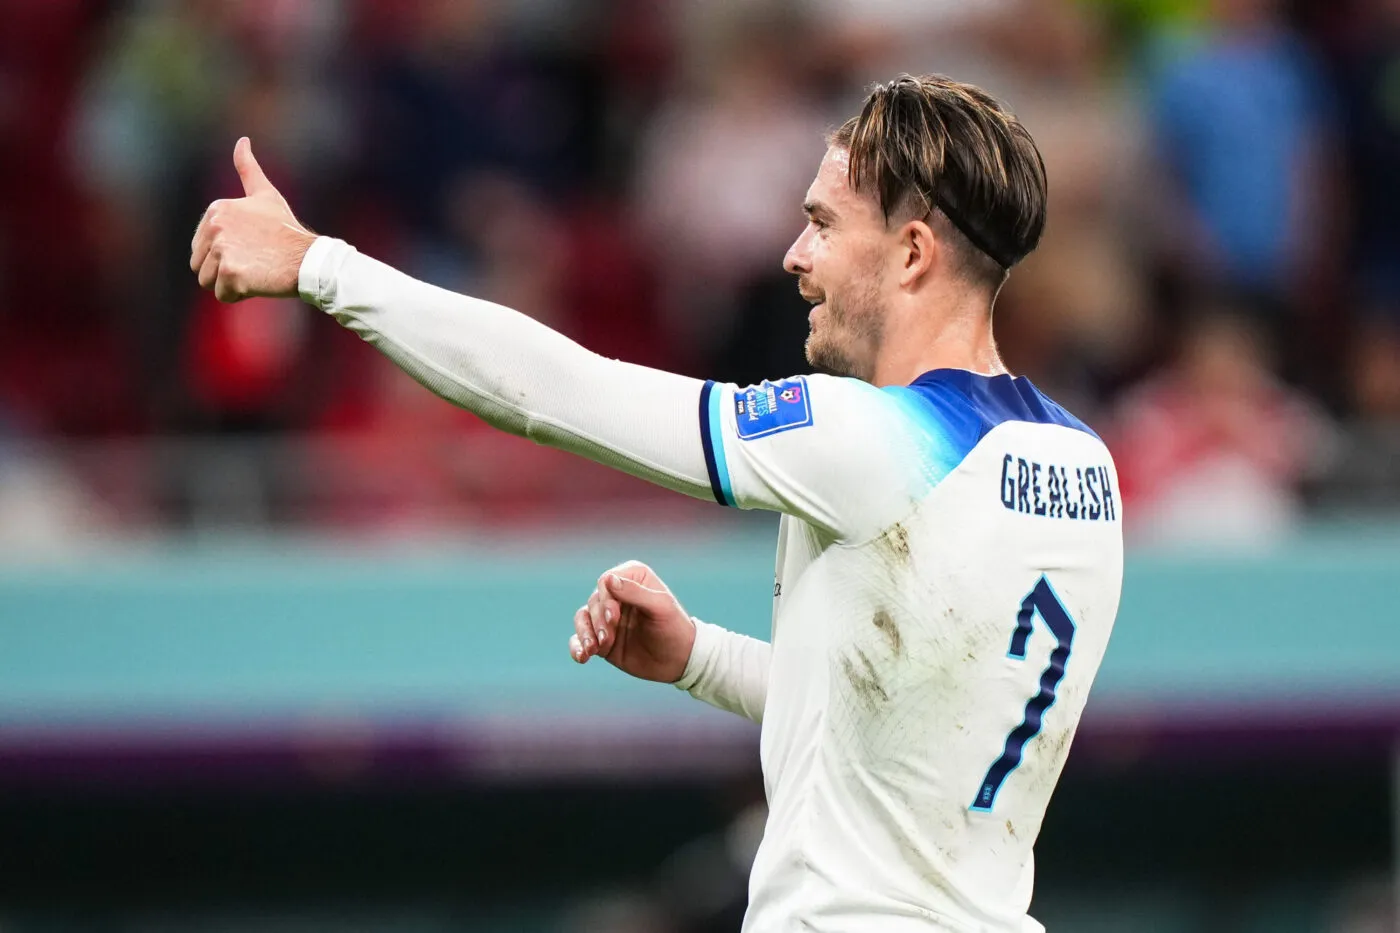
816, 210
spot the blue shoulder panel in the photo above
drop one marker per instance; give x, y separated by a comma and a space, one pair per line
957, 408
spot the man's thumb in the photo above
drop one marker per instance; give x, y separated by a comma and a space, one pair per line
254, 181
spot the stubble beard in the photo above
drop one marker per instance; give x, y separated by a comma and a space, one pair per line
850, 335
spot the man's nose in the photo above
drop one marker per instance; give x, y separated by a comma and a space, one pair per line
797, 261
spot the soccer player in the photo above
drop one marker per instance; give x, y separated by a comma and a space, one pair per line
950, 552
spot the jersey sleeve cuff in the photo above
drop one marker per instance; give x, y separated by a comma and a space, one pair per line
706, 643
316, 277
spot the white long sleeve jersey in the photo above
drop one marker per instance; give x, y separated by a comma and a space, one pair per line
948, 572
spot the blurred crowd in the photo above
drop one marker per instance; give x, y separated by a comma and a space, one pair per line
1217, 291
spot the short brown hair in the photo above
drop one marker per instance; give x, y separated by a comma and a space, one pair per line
932, 142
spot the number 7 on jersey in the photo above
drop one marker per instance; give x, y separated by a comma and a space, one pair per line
1040, 601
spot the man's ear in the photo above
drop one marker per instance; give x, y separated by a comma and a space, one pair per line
919, 251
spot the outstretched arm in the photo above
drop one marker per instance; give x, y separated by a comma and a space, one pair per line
516, 373
837, 453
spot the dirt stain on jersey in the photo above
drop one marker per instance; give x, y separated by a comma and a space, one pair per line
865, 680
897, 538
1054, 743
1054, 750
883, 621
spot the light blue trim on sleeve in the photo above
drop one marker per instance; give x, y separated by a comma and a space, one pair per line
717, 440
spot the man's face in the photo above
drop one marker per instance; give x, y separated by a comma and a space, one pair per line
839, 261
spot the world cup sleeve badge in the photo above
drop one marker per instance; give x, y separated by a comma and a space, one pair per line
772, 407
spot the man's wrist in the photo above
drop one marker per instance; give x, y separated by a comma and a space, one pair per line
316, 274
700, 649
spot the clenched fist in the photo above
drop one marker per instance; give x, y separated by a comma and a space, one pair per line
250, 246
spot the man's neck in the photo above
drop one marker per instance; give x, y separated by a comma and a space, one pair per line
956, 336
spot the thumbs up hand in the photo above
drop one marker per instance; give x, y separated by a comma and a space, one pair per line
253, 245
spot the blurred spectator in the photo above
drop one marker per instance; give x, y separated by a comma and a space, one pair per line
1365, 47
1073, 315
156, 96
1365, 474
1243, 125
59, 367
409, 468
151, 144
722, 174
1368, 59
874, 40
449, 98
45, 510
1213, 449
570, 265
